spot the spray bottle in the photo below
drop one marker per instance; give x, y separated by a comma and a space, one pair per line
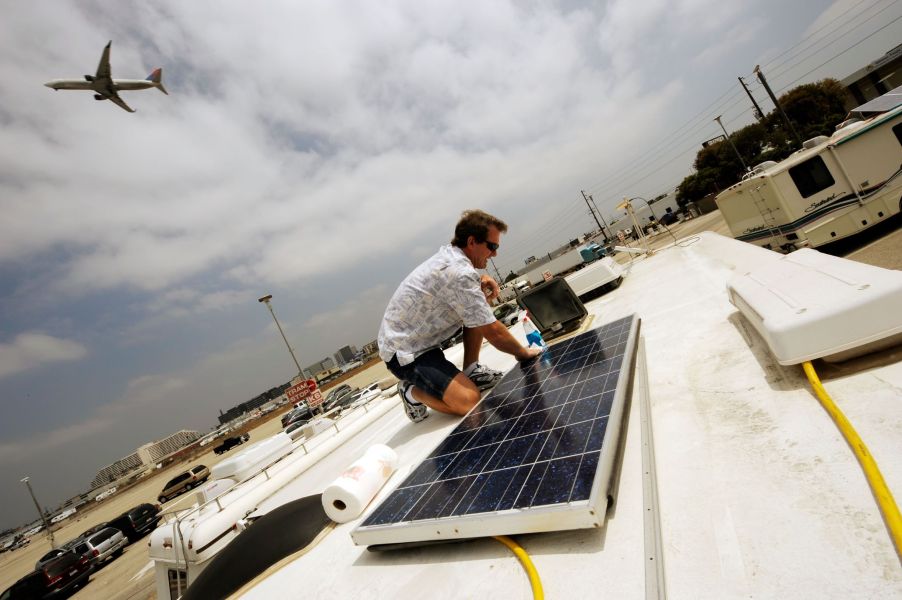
532, 333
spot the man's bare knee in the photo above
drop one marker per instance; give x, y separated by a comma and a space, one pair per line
461, 395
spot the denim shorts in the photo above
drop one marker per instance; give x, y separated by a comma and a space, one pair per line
430, 371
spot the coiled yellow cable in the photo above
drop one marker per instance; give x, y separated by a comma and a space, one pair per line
521, 554
882, 494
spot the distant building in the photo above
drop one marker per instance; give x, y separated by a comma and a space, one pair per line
152, 453
249, 405
369, 348
146, 455
345, 355
877, 78
323, 365
117, 469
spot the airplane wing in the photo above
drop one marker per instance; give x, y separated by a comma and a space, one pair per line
103, 69
115, 99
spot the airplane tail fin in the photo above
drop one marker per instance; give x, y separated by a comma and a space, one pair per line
156, 76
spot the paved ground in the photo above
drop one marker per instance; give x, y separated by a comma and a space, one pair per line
131, 576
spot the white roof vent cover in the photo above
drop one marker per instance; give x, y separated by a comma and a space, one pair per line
809, 305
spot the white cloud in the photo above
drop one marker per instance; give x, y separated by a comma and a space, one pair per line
829, 14
33, 349
144, 391
735, 37
30, 446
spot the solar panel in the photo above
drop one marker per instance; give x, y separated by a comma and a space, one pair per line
536, 454
884, 103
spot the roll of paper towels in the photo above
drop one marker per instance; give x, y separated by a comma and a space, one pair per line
347, 497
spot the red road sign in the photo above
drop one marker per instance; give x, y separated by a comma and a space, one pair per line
297, 392
315, 399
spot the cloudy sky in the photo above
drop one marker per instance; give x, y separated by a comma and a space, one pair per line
318, 151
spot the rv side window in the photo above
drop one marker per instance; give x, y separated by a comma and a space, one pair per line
898, 131
811, 176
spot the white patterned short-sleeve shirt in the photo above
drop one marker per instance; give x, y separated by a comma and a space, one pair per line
433, 301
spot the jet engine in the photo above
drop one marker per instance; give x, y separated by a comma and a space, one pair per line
89, 78
99, 97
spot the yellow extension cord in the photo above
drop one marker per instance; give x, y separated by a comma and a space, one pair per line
881, 493
521, 554
884, 497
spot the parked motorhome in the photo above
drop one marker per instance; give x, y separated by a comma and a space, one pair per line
834, 187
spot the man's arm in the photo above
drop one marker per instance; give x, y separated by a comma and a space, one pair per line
489, 287
497, 335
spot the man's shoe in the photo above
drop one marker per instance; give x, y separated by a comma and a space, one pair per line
484, 377
415, 412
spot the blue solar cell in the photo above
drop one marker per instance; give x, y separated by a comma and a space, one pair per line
535, 440
461, 487
557, 481
582, 485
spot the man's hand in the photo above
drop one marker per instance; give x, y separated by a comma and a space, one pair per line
489, 287
529, 353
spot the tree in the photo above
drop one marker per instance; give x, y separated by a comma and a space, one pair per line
815, 108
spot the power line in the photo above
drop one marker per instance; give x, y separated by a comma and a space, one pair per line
777, 72
669, 140
835, 56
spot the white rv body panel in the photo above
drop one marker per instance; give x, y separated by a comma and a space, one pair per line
826, 192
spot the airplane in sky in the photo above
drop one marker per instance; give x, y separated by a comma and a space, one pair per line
105, 87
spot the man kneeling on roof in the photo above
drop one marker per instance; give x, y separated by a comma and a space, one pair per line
435, 300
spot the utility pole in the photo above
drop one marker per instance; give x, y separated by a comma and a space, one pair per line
27, 483
607, 236
773, 98
497, 272
736, 150
759, 114
594, 216
265, 300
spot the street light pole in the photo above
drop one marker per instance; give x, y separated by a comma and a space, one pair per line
265, 300
739, 156
650, 209
27, 483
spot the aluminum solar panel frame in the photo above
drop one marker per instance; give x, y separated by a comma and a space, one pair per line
536, 454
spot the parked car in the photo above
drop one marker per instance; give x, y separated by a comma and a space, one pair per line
230, 442
370, 392
294, 429
508, 313
341, 396
20, 543
138, 521
298, 417
57, 578
338, 391
90, 531
102, 546
51, 556
298, 412
183, 482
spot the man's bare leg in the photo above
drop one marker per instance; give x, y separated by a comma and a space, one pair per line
460, 396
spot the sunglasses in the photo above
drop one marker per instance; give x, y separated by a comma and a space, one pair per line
492, 246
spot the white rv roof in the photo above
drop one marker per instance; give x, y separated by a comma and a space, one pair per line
757, 493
